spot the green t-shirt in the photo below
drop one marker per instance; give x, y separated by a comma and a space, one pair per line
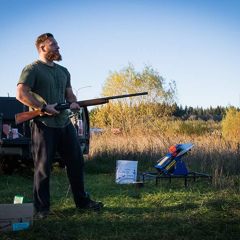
48, 85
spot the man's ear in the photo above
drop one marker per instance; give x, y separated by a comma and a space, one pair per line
42, 48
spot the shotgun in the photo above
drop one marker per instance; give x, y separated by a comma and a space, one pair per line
25, 116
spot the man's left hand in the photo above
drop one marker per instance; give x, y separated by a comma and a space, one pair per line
74, 107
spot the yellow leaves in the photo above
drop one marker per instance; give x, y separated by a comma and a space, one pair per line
231, 125
125, 113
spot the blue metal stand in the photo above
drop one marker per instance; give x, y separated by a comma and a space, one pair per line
179, 169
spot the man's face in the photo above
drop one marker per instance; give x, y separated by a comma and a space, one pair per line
52, 50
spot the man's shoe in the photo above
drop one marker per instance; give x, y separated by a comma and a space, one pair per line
42, 214
93, 205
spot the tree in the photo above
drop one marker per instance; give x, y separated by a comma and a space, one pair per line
200, 112
126, 112
231, 125
129, 81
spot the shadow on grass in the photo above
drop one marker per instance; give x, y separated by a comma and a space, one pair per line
131, 223
152, 212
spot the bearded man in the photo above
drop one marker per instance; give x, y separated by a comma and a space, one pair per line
42, 85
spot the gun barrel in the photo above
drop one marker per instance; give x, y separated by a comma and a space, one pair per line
128, 95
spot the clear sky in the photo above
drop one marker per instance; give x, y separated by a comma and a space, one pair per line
194, 42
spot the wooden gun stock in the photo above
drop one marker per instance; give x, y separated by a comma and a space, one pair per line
25, 116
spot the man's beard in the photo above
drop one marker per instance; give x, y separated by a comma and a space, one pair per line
52, 56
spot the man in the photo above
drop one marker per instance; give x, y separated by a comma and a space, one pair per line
42, 85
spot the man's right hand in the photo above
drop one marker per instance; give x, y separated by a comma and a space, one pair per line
50, 110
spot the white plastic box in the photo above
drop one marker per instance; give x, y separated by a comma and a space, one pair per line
126, 171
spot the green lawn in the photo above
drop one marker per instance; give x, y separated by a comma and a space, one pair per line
166, 211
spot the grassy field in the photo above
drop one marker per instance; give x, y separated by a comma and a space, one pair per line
202, 210
211, 154
166, 211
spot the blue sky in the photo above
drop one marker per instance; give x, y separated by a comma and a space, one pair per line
194, 42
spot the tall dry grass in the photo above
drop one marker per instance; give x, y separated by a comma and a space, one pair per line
211, 154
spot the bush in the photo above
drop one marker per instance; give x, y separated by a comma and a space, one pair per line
231, 125
192, 128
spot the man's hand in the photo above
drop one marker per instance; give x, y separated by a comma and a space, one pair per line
50, 110
74, 107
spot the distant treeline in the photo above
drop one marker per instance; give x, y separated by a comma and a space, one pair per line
125, 117
190, 113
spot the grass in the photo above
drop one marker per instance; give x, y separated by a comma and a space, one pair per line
202, 210
211, 154
166, 211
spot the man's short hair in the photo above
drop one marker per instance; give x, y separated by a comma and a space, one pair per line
42, 38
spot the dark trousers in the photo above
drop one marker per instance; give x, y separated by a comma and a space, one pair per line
46, 142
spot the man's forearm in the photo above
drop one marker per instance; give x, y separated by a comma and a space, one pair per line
71, 99
70, 96
29, 100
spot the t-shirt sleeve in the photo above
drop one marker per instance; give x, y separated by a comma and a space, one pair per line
28, 76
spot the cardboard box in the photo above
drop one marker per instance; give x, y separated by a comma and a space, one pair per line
15, 217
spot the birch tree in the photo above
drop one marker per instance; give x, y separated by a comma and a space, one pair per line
127, 112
